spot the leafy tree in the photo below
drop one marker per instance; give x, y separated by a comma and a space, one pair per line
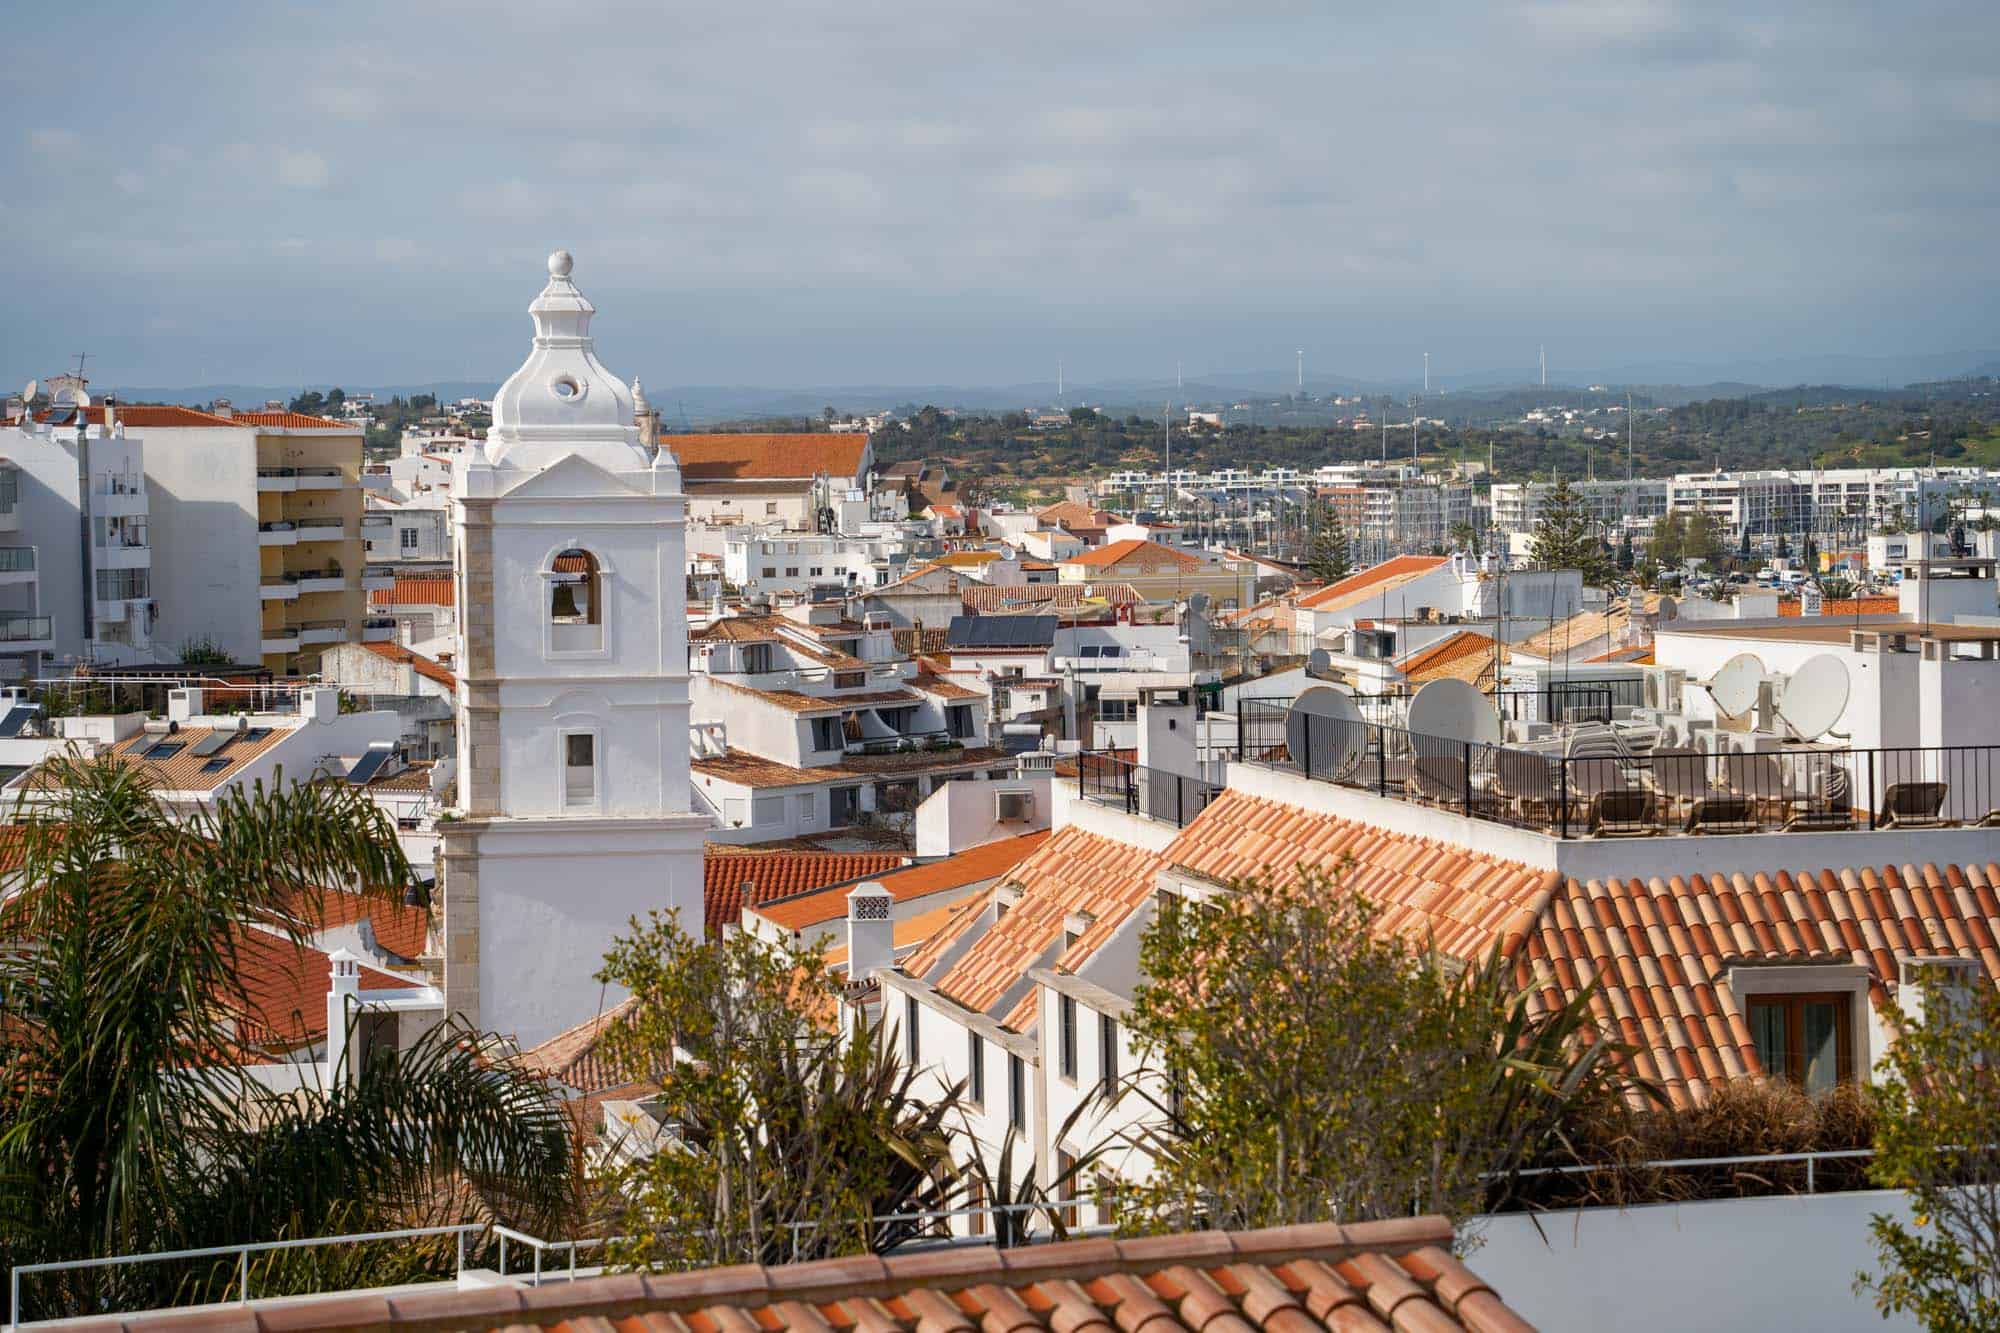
1564, 537
130, 1123
1317, 1067
1083, 416
1464, 537
798, 1131
203, 650
311, 402
1679, 537
1938, 1138
1626, 557
1784, 548
1329, 554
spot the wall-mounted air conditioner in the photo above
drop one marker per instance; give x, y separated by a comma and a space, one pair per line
1013, 807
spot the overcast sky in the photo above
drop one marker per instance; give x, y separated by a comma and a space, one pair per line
905, 191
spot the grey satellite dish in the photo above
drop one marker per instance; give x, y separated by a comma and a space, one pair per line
1324, 733
1734, 686
1667, 609
1454, 710
1318, 662
1197, 603
1815, 696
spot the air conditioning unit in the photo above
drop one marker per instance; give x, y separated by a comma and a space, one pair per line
1013, 807
1663, 688
1953, 979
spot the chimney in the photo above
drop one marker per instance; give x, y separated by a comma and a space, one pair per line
221, 407
319, 703
342, 996
871, 935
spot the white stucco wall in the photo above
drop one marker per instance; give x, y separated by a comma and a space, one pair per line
202, 488
959, 815
1728, 1266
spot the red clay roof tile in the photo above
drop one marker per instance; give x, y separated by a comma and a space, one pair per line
734, 878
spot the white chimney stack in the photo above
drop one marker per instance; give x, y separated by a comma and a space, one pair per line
341, 998
871, 935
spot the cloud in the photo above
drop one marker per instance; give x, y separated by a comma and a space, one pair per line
303, 169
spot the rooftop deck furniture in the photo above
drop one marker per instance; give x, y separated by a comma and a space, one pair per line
1728, 813
1629, 812
1913, 805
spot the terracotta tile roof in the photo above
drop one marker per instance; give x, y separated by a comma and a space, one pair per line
1464, 899
284, 986
1582, 628
1074, 871
1660, 949
1071, 515
697, 490
734, 878
737, 629
293, 421
1392, 1275
1848, 606
13, 850
1391, 574
749, 770
1454, 655
971, 866
919, 642
426, 667
911, 931
734, 457
1136, 551
185, 770
1624, 656
401, 929
986, 598
416, 590
806, 640
138, 416
938, 687
967, 559
576, 1059
793, 701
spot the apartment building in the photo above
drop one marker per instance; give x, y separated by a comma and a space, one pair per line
1612, 505
257, 527
78, 585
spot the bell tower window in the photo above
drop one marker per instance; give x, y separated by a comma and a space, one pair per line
579, 764
576, 603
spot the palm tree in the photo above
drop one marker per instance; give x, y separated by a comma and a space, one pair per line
128, 1122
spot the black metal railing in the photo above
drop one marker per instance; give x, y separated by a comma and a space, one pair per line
1172, 798
1571, 700
1592, 785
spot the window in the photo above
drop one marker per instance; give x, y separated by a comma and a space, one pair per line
791, 571
1066, 1185
1066, 1010
847, 680
1804, 1038
766, 811
1017, 1093
1107, 1053
114, 585
409, 539
1117, 710
975, 1066
1107, 1199
808, 810
770, 571
756, 657
770, 507
818, 570
576, 603
910, 1045
958, 719
579, 768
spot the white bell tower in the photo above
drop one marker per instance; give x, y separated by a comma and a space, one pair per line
573, 802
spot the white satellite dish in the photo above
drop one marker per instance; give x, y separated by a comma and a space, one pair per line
1324, 733
1318, 662
1454, 710
1734, 686
29, 391
1815, 696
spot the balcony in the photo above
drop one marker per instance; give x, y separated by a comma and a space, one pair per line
379, 629
123, 555
17, 564
322, 631
319, 580
377, 578
377, 521
1170, 798
277, 534
19, 632
282, 639
318, 478
282, 589
277, 479
321, 530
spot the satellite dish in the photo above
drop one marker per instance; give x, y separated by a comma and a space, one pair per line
1815, 696
1668, 609
29, 390
1454, 710
1324, 733
1734, 687
1318, 662
1197, 603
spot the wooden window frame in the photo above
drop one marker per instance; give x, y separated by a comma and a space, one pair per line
1794, 1003
1066, 1038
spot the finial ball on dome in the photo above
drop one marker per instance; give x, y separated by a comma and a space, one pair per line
560, 264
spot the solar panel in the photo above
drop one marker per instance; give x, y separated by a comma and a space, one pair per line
214, 743
368, 765
16, 718
165, 749
1001, 631
217, 764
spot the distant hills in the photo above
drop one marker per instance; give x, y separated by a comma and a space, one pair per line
1664, 382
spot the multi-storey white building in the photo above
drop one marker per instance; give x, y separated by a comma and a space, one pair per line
574, 810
